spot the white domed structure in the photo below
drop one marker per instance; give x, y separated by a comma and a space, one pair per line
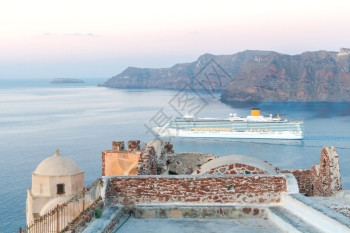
57, 165
56, 178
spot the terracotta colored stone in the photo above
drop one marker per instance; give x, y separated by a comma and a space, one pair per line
175, 214
256, 211
246, 210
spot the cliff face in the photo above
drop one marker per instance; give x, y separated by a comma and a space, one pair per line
177, 76
309, 77
256, 76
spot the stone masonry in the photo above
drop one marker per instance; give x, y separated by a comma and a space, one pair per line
187, 163
199, 211
158, 158
322, 179
236, 168
134, 145
118, 145
148, 161
164, 157
326, 176
304, 179
206, 189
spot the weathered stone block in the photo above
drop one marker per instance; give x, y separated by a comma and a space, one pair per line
148, 214
175, 214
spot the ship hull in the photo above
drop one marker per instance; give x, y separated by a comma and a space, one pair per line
254, 126
168, 132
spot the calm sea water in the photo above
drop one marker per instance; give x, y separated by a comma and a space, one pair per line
81, 120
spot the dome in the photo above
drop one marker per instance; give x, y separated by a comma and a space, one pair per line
232, 159
57, 165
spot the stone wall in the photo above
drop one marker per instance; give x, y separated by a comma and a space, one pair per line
134, 145
165, 157
233, 189
326, 176
118, 145
148, 161
157, 157
322, 179
236, 168
304, 179
187, 163
198, 211
236, 164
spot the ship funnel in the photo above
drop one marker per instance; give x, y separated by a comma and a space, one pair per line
255, 112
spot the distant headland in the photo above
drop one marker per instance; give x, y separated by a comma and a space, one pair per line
252, 76
65, 80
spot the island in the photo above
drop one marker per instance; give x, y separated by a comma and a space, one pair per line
65, 80
252, 76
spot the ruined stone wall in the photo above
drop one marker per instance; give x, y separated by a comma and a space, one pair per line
233, 189
187, 163
164, 158
236, 168
103, 159
118, 145
134, 145
304, 179
322, 179
148, 161
326, 176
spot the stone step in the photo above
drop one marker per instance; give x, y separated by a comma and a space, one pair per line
296, 222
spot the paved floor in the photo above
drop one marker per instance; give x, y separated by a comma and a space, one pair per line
249, 225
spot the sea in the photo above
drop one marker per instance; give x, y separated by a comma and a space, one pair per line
82, 120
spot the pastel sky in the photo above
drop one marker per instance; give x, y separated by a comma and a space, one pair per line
91, 38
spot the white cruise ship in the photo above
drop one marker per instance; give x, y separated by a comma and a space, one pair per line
254, 126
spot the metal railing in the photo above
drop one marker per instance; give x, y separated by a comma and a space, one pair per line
59, 218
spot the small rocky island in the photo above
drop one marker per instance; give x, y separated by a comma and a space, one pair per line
65, 80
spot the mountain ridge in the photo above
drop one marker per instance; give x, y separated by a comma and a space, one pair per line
253, 75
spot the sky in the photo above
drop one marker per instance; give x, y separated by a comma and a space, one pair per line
91, 38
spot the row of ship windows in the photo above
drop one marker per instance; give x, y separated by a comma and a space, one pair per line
241, 127
254, 125
239, 130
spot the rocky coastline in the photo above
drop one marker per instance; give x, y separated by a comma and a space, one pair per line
252, 76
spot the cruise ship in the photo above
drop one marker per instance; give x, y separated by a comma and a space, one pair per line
254, 126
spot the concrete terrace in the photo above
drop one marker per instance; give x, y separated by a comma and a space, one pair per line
287, 210
256, 225
296, 214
